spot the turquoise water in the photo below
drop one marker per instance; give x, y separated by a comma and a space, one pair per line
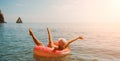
99, 44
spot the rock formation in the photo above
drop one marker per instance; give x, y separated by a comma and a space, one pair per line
1, 18
19, 20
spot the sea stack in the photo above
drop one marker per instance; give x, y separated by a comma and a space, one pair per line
19, 20
1, 18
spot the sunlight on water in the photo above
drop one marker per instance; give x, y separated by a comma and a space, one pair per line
101, 43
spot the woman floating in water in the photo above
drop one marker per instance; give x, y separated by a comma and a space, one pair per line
61, 41
54, 49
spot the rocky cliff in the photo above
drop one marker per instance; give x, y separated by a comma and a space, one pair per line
1, 18
19, 20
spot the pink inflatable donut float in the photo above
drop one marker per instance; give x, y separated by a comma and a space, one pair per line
49, 52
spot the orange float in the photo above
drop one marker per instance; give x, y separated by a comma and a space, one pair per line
50, 52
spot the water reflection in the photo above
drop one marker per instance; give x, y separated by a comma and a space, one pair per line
1, 31
64, 58
1, 24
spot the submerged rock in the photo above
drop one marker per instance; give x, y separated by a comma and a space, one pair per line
19, 20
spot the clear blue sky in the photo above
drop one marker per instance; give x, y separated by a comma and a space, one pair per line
80, 11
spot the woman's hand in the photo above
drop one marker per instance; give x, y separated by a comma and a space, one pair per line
80, 37
30, 31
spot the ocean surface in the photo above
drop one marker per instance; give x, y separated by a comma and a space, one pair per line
101, 43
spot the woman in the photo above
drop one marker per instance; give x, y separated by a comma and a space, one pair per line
62, 43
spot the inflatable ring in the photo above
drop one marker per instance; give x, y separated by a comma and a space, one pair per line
49, 52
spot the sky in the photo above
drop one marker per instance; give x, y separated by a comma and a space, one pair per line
79, 11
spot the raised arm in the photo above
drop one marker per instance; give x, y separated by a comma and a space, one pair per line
36, 41
51, 43
69, 42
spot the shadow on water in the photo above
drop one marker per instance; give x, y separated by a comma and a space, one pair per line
64, 58
1, 25
1, 30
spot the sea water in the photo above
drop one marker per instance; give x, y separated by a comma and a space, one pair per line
100, 43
